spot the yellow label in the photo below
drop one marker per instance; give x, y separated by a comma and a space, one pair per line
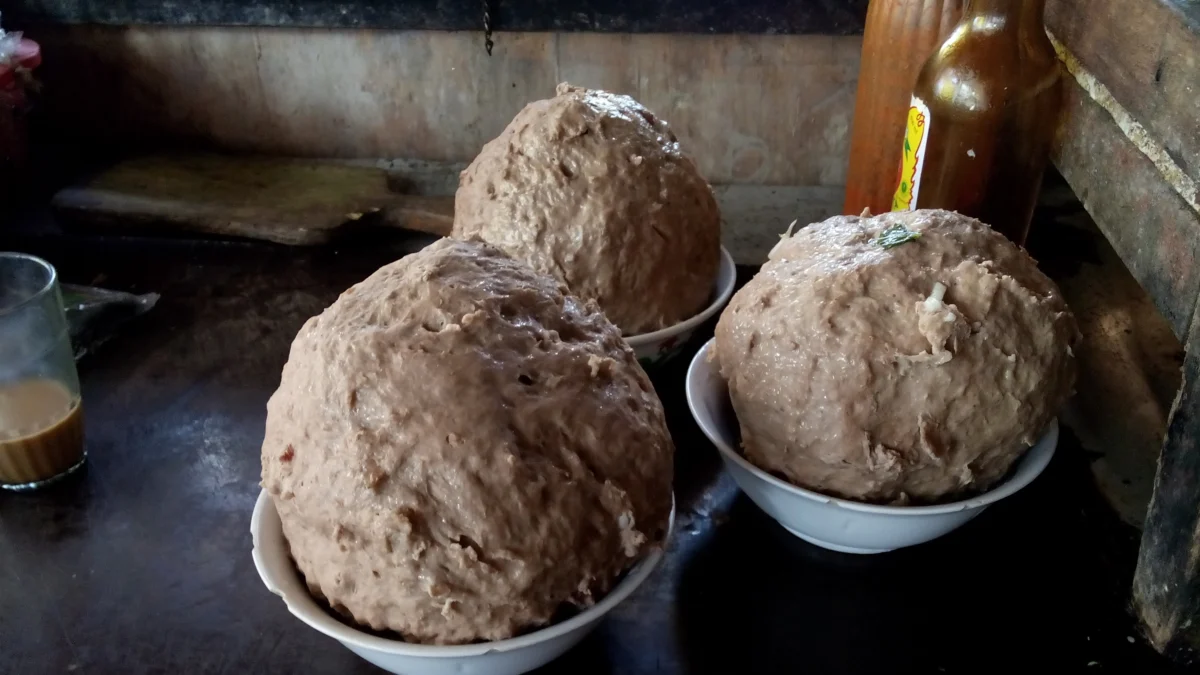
912, 161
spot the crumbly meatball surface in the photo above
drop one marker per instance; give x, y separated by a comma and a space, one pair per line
591, 188
907, 356
458, 447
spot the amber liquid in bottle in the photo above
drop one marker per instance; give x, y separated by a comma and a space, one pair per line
983, 115
899, 37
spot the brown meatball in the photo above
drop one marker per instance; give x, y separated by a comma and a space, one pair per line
457, 448
592, 188
914, 371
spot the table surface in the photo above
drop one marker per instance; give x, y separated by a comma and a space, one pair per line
141, 562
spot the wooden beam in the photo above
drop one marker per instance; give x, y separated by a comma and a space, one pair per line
1147, 54
1130, 148
1150, 225
1166, 586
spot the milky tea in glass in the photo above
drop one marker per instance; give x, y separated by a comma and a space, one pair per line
41, 424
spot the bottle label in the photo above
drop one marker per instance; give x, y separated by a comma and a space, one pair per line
916, 135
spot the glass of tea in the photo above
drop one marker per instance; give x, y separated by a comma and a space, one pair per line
41, 424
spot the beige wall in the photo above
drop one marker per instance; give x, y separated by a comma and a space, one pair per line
751, 109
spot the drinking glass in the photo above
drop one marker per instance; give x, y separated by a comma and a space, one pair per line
41, 421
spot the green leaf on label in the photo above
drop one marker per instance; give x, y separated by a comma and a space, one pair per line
896, 235
907, 147
904, 186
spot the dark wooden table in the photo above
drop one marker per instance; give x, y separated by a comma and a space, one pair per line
141, 563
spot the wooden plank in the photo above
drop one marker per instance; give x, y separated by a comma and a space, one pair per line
770, 109
308, 202
1147, 53
1166, 585
1130, 148
297, 202
1154, 230
1129, 359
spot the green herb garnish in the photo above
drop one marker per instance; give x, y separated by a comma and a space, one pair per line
896, 235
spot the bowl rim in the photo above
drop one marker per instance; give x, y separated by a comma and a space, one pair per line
266, 529
725, 283
1037, 458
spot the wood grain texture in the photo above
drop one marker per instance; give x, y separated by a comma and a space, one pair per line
1129, 358
1131, 150
284, 201
750, 109
1147, 53
1166, 585
312, 202
1152, 228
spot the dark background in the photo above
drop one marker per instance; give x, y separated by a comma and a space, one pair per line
827, 17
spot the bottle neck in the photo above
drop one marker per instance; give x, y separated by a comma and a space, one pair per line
1025, 15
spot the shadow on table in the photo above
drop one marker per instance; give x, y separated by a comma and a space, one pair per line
56, 511
589, 657
1029, 582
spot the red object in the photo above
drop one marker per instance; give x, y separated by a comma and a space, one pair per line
28, 56
14, 107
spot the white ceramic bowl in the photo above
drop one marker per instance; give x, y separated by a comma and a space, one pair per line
829, 522
655, 348
502, 657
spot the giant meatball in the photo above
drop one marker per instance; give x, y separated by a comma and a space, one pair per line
457, 448
591, 188
909, 356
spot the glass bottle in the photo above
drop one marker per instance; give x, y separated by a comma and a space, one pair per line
984, 112
898, 38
